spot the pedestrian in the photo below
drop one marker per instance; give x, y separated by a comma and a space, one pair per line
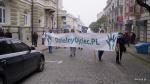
8, 34
49, 46
80, 47
133, 37
72, 49
127, 38
100, 52
35, 39
43, 38
120, 47
1, 32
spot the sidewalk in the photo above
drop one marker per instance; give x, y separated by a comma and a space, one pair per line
144, 57
39, 47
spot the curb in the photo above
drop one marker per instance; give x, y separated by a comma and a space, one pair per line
44, 49
145, 61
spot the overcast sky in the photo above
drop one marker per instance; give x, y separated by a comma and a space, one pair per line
86, 9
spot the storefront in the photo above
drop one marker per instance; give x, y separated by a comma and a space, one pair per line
128, 26
141, 30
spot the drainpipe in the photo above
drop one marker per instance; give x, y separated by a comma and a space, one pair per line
32, 20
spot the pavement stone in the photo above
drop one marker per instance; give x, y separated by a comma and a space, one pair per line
143, 57
85, 68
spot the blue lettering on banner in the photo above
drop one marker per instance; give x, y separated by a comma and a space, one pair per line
80, 41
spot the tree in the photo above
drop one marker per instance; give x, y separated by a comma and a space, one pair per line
144, 4
102, 20
98, 24
94, 27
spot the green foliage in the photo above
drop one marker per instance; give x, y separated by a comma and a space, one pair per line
102, 20
96, 25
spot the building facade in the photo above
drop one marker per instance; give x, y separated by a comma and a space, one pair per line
114, 13
127, 15
137, 19
71, 22
16, 16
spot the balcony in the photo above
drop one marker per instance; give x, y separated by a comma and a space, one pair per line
48, 4
62, 12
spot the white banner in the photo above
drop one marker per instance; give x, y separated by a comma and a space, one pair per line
96, 41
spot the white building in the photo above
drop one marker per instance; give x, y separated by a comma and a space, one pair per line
71, 22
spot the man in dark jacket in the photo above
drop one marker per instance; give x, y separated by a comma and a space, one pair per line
35, 38
1, 33
120, 48
133, 37
8, 34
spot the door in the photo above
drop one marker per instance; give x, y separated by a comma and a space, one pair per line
31, 61
10, 61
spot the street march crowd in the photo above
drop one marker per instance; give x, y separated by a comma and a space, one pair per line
120, 47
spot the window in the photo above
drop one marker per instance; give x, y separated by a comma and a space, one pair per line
19, 47
64, 23
27, 18
5, 48
2, 12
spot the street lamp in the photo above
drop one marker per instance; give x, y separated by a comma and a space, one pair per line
57, 15
52, 19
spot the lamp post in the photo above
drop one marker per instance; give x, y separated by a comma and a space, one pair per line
52, 19
57, 15
32, 21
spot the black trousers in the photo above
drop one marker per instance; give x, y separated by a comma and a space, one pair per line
100, 53
118, 56
43, 39
35, 43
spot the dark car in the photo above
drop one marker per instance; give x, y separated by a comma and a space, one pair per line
18, 60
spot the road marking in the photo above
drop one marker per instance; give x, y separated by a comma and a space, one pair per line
58, 62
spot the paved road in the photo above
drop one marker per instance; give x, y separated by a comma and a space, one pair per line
85, 69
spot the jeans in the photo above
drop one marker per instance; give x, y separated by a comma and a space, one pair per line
72, 51
50, 49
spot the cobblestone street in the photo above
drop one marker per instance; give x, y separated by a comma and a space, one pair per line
86, 69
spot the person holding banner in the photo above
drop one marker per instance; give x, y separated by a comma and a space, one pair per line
50, 47
100, 52
120, 47
72, 49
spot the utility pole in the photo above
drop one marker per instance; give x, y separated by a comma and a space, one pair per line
32, 20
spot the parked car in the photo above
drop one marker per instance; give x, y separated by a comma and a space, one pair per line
18, 60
